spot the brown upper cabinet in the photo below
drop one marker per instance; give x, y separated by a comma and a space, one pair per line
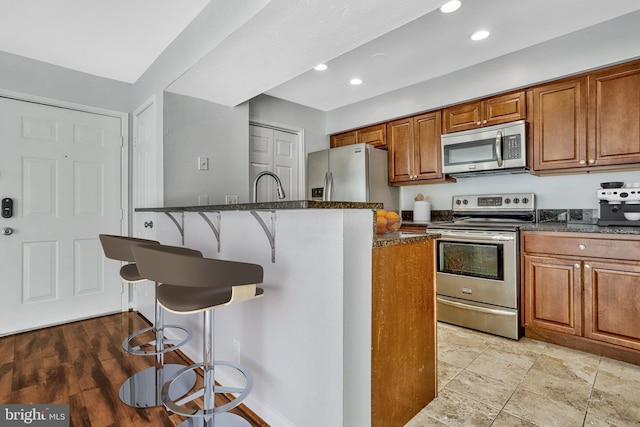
486, 112
344, 138
558, 123
414, 149
591, 121
375, 135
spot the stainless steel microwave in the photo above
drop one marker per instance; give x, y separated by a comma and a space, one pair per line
499, 148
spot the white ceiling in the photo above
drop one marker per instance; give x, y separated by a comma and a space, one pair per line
389, 44
115, 39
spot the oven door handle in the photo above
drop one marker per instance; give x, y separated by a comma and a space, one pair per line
471, 236
476, 308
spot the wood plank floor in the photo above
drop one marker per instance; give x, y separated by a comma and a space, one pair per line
83, 364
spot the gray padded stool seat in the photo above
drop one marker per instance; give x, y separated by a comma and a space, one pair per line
194, 285
144, 388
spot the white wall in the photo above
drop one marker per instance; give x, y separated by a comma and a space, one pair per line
192, 128
274, 110
575, 191
307, 342
27, 76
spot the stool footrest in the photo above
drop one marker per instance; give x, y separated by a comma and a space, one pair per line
177, 405
173, 344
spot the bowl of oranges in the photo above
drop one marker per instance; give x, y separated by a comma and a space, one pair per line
387, 221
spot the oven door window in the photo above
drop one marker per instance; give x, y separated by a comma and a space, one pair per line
483, 260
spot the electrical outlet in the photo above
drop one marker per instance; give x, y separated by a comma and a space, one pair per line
231, 200
237, 354
203, 200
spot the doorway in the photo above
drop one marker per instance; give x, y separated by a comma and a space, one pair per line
279, 150
63, 170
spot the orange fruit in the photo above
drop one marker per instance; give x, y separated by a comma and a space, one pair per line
381, 213
381, 225
393, 226
393, 218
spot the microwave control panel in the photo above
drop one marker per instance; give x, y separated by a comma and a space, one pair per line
511, 147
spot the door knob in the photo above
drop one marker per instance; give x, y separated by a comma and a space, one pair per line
7, 231
148, 224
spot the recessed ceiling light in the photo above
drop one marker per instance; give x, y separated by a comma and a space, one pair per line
356, 81
450, 6
320, 67
480, 35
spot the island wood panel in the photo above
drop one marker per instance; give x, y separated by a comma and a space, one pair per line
403, 360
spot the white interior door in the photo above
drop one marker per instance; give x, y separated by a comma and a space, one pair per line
63, 170
145, 188
276, 151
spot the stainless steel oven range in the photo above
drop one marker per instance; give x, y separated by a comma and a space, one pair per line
478, 262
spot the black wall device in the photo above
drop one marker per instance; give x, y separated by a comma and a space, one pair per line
7, 207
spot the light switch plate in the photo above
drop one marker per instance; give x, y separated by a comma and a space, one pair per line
231, 200
203, 163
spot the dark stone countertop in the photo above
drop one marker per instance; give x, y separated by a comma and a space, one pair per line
569, 227
399, 238
289, 204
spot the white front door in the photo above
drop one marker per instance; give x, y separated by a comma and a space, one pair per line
62, 169
276, 151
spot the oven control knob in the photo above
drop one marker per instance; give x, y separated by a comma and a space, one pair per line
465, 202
458, 202
516, 200
525, 200
507, 201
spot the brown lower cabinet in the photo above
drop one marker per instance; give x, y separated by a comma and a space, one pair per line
403, 358
583, 290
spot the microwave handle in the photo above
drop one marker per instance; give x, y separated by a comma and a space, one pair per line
499, 148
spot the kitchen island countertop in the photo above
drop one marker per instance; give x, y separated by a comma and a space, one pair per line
287, 204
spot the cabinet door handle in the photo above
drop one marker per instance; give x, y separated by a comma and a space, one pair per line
576, 265
587, 266
582, 247
591, 161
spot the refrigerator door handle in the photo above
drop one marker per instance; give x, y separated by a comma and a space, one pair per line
330, 187
325, 186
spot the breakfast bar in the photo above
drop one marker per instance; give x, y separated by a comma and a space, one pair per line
345, 332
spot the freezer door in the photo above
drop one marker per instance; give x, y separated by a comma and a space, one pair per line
348, 167
317, 174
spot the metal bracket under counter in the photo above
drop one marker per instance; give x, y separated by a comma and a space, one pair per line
269, 231
180, 224
214, 227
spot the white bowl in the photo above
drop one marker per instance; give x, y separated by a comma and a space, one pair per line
632, 216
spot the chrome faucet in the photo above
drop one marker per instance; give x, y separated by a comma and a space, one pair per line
281, 194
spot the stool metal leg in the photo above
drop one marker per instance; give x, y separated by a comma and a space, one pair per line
210, 416
144, 388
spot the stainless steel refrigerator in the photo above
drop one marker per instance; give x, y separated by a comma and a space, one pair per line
353, 173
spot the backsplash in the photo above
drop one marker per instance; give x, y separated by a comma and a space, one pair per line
576, 216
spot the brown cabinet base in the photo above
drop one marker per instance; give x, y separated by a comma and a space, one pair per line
584, 344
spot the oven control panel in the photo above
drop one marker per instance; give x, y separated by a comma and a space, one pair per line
495, 202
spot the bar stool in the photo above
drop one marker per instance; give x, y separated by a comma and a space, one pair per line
200, 285
144, 388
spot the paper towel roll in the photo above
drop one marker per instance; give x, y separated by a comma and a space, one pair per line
421, 211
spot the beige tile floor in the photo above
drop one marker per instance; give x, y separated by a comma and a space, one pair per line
484, 380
